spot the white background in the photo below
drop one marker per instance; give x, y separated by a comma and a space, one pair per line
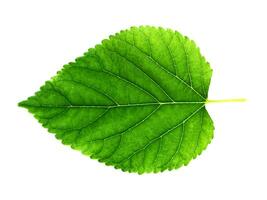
38, 37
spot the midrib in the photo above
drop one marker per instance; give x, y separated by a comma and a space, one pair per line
119, 105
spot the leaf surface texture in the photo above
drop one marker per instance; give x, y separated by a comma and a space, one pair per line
136, 101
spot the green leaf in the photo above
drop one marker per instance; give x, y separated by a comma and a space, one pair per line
136, 101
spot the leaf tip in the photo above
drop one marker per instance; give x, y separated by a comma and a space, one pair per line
23, 104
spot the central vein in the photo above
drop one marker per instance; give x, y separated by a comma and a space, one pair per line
122, 105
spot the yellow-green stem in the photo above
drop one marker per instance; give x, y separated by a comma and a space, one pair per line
225, 100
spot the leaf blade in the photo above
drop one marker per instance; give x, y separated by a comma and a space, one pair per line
132, 102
